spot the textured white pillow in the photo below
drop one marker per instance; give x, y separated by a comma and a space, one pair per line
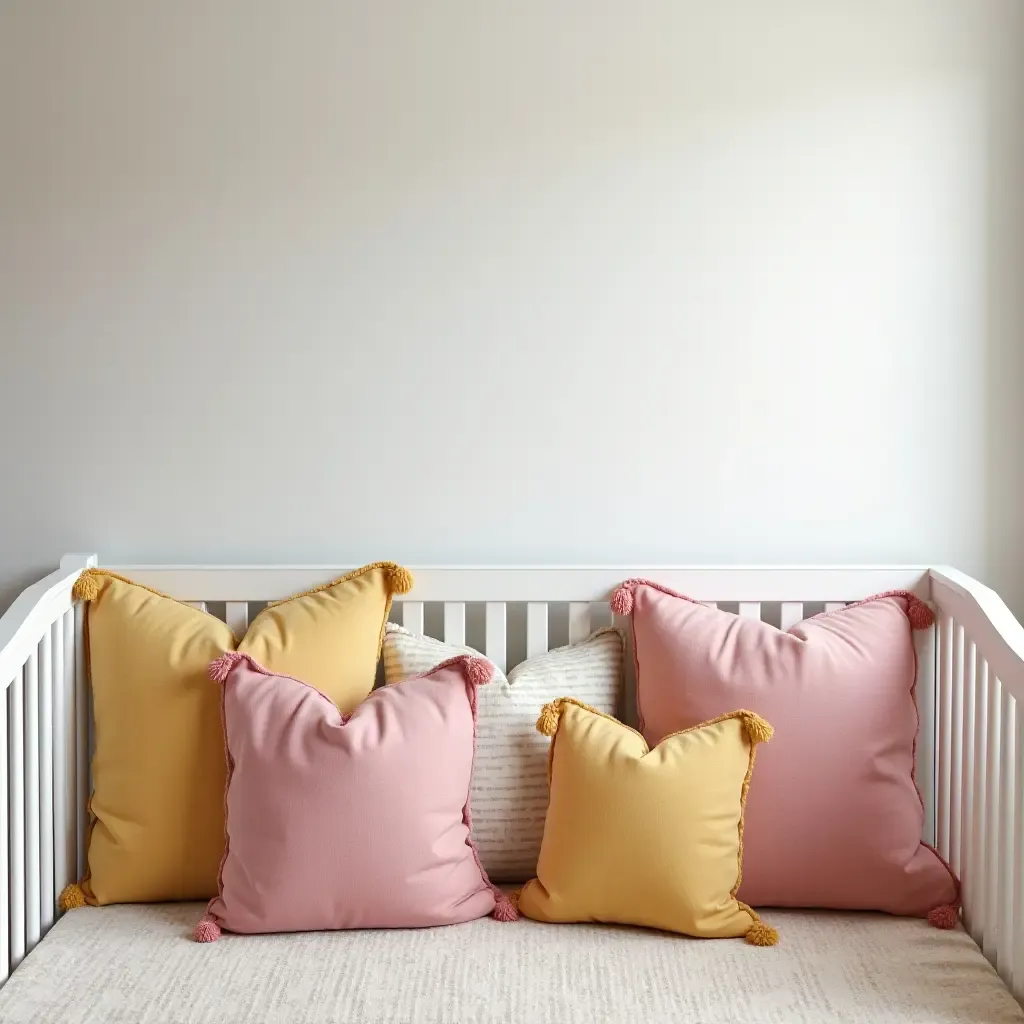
509, 795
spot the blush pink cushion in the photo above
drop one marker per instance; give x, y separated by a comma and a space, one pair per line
348, 822
834, 817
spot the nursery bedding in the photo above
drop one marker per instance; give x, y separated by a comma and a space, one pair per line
136, 964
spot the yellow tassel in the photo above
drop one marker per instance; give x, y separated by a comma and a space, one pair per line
547, 724
72, 897
762, 934
400, 579
758, 730
87, 586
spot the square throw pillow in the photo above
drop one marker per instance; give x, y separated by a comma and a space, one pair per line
157, 809
650, 837
510, 790
837, 818
349, 821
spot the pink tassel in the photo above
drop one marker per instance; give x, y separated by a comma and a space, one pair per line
920, 615
220, 667
207, 930
504, 908
622, 600
479, 671
944, 917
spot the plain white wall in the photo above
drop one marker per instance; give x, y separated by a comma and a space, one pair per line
535, 281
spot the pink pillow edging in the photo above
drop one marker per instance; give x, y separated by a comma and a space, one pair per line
919, 615
476, 672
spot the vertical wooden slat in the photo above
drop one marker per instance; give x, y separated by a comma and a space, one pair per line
791, 613
60, 754
967, 779
412, 616
990, 945
979, 856
945, 738
579, 621
926, 690
81, 740
750, 610
494, 632
236, 615
834, 606
31, 676
46, 896
455, 623
1018, 859
198, 605
16, 824
536, 628
5, 895
956, 671
1007, 937
70, 786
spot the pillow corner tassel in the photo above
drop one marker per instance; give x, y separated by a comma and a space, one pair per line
72, 897
506, 907
207, 930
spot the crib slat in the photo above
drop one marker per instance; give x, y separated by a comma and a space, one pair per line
1018, 858
750, 610
834, 606
579, 621
494, 632
236, 615
59, 762
979, 854
956, 745
16, 825
990, 946
198, 605
967, 779
5, 900
536, 628
1006, 938
70, 822
455, 623
46, 896
81, 742
31, 802
945, 715
791, 613
412, 616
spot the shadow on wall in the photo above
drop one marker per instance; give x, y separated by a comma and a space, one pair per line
1004, 353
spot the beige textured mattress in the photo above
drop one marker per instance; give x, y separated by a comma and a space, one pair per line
137, 965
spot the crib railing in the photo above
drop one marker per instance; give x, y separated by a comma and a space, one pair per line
44, 758
980, 764
971, 676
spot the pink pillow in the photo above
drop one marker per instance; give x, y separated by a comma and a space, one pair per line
834, 817
358, 821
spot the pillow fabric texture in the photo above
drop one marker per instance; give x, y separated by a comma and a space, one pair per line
349, 821
156, 827
510, 790
641, 836
837, 819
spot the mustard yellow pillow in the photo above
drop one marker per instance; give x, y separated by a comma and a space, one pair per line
156, 828
646, 837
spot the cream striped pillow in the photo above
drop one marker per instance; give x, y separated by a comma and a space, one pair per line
509, 795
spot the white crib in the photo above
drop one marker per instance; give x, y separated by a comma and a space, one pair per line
971, 676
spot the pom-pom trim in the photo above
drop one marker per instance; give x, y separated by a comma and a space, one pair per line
761, 934
72, 897
945, 917
207, 930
